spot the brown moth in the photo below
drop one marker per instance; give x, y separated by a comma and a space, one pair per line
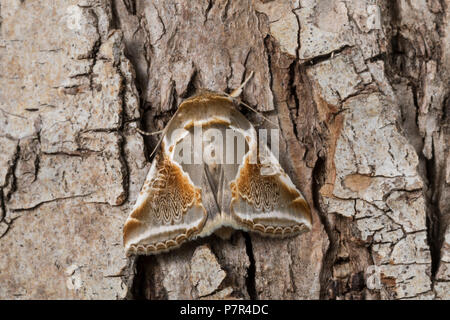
241, 186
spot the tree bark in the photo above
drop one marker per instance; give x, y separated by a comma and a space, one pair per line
359, 90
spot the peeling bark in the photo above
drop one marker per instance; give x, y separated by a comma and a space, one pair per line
359, 90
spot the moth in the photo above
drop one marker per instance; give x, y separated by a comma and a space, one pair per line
201, 182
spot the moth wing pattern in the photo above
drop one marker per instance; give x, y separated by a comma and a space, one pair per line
167, 212
265, 200
182, 201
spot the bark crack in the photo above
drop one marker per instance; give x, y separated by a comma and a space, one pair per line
251, 270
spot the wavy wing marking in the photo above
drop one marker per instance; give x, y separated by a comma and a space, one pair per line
168, 211
181, 201
268, 204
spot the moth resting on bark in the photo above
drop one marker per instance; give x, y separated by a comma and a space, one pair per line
182, 200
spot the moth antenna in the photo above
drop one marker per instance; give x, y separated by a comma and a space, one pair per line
159, 142
162, 132
257, 112
148, 133
153, 134
236, 93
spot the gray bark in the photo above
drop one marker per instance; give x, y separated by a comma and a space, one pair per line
360, 90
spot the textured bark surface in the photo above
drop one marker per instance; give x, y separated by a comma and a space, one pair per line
359, 89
